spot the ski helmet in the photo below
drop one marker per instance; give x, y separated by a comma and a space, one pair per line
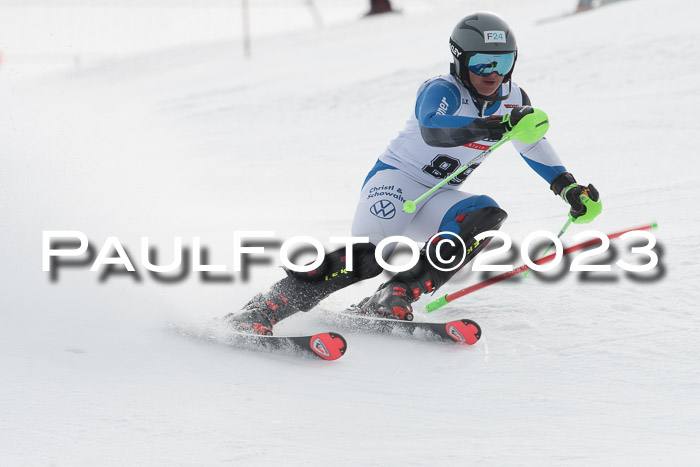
483, 33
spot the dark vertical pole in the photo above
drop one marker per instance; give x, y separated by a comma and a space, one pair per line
315, 13
245, 13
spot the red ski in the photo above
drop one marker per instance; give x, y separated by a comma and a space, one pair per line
326, 345
462, 331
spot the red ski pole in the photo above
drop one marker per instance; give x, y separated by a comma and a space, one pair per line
442, 301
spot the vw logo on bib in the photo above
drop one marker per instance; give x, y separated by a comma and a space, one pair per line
383, 209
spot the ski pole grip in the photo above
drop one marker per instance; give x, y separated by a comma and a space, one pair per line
532, 127
435, 304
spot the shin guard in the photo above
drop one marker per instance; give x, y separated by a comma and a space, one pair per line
439, 261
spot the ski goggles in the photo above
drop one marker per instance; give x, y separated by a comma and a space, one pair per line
484, 64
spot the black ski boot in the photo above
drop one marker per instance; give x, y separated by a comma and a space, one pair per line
253, 321
261, 313
391, 300
301, 291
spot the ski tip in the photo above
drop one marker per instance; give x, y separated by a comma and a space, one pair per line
464, 331
328, 345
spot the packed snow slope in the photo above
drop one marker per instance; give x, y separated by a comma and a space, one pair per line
195, 140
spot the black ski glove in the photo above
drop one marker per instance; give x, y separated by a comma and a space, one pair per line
582, 211
498, 125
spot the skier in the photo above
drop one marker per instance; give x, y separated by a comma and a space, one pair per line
457, 116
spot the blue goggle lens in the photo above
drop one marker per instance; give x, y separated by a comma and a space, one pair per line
485, 64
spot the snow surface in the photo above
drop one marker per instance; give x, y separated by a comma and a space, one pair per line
180, 135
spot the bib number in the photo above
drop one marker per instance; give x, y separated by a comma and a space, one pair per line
443, 165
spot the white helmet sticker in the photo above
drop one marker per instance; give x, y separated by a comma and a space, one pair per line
495, 36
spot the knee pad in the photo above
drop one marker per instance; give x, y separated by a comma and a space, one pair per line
439, 262
470, 225
467, 207
473, 223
